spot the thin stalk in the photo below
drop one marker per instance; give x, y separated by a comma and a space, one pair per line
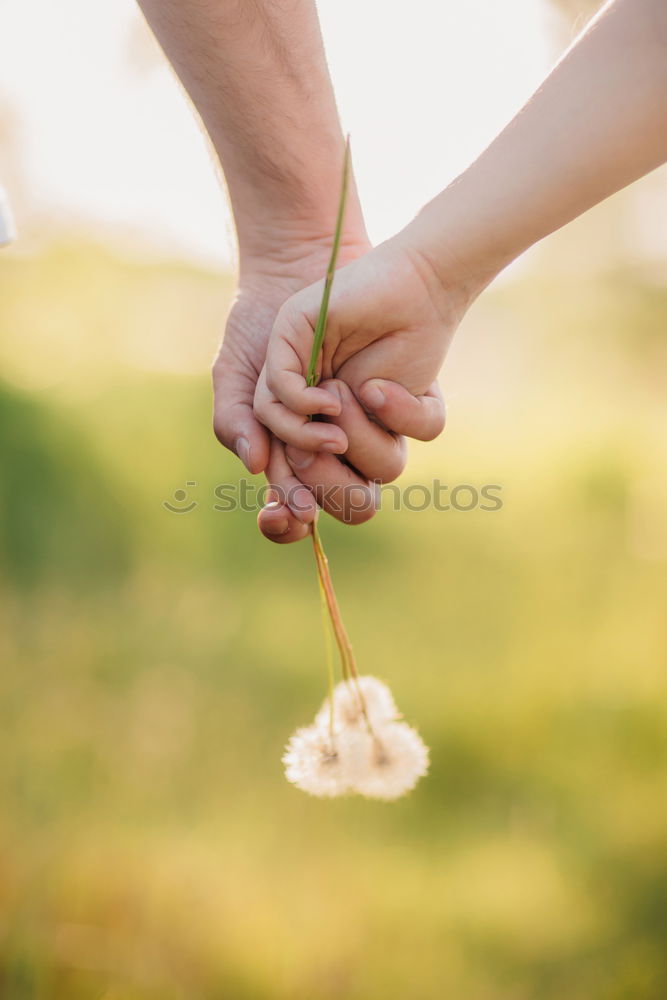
326, 627
342, 641
320, 326
327, 592
349, 667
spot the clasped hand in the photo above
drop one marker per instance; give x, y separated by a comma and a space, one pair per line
390, 322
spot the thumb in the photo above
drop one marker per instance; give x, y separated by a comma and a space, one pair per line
420, 417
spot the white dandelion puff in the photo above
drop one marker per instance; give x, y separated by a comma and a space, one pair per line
321, 764
395, 759
348, 704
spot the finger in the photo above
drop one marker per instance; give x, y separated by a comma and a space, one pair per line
287, 490
287, 360
338, 489
312, 435
420, 417
277, 523
234, 422
377, 453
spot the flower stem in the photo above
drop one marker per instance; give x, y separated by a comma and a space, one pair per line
348, 665
320, 326
342, 640
326, 627
327, 592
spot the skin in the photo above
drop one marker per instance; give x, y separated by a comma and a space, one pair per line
598, 122
256, 72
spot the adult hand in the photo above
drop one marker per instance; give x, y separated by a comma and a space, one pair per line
390, 321
267, 280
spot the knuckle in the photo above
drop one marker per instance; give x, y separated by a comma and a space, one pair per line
393, 468
433, 430
393, 462
399, 458
433, 420
362, 516
359, 505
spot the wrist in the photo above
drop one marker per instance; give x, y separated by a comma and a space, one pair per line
293, 208
465, 247
292, 249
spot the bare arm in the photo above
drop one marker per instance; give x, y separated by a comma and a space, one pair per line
256, 72
598, 123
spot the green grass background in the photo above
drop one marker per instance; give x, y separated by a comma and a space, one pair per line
154, 664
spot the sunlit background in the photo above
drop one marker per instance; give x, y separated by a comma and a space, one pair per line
153, 664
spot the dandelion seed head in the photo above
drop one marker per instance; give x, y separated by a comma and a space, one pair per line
319, 764
395, 759
348, 711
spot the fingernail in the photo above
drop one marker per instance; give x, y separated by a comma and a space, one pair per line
242, 449
333, 389
373, 396
298, 458
333, 446
333, 409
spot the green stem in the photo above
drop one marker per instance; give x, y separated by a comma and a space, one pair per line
320, 326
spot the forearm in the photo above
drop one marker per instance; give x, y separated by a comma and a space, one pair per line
598, 123
256, 72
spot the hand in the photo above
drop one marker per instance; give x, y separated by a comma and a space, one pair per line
267, 280
268, 277
390, 319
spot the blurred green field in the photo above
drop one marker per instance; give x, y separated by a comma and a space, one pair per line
154, 664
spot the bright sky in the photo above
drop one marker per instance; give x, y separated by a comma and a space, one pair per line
108, 138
